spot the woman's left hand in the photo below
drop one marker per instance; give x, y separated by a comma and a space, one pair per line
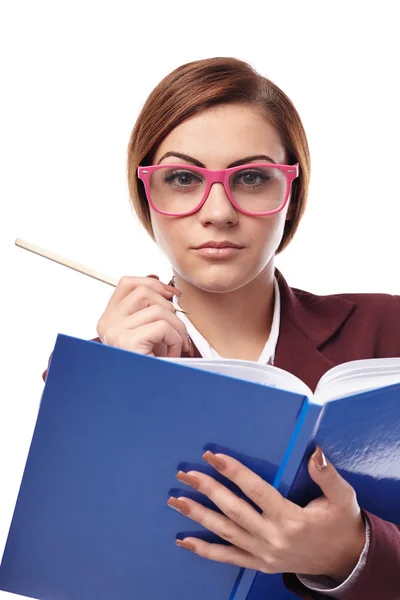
326, 537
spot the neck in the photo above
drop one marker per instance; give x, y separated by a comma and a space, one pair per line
236, 324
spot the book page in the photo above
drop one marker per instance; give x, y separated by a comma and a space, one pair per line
357, 376
249, 371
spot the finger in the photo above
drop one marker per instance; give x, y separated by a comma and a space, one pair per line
155, 313
169, 285
234, 508
127, 284
225, 554
271, 502
160, 332
336, 489
140, 298
143, 339
217, 523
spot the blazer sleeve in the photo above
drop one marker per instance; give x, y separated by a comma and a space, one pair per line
379, 579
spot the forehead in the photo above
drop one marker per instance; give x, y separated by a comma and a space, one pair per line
220, 135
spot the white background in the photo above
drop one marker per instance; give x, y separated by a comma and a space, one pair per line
74, 76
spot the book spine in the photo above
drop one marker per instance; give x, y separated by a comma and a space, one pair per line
299, 444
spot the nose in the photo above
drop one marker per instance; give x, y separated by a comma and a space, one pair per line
218, 209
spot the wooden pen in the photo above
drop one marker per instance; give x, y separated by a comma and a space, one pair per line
66, 262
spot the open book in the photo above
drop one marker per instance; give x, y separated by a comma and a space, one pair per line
343, 380
113, 428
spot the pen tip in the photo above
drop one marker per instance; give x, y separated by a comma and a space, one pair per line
178, 308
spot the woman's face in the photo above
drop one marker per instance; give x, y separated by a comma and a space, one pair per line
218, 137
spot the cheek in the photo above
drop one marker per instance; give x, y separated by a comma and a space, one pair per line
168, 234
267, 233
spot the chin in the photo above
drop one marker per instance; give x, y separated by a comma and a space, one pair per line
220, 283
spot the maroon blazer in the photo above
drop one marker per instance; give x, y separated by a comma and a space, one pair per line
317, 333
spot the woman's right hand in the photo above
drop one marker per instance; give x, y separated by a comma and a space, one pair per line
140, 317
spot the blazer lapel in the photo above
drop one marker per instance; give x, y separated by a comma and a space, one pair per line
298, 355
307, 323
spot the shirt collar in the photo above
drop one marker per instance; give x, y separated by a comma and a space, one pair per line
268, 353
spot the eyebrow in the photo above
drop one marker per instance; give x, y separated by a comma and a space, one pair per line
236, 163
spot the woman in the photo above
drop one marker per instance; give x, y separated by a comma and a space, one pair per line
218, 171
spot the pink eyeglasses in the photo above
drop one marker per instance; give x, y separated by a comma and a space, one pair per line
254, 189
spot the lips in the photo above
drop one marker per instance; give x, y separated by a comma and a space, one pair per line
212, 244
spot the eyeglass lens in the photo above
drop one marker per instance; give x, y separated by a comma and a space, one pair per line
255, 190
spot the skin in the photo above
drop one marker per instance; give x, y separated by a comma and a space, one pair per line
231, 302
324, 538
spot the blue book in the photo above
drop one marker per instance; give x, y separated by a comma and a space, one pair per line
91, 520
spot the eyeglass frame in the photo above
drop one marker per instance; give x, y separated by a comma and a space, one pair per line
218, 176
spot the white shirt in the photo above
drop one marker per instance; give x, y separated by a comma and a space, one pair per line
267, 356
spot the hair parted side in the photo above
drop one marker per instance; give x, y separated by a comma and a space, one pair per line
202, 84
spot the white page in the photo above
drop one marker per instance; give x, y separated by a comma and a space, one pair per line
343, 380
248, 370
357, 376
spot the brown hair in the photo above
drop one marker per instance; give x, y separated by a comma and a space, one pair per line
199, 85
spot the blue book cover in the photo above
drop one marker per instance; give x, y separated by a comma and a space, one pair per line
91, 520
361, 436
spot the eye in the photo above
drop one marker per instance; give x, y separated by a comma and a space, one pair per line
182, 178
250, 178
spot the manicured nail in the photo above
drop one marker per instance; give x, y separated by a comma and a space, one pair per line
187, 545
179, 505
188, 479
319, 459
215, 461
153, 276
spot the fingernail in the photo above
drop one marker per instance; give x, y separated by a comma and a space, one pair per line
191, 347
215, 461
188, 479
186, 545
169, 293
319, 459
179, 505
154, 276
173, 289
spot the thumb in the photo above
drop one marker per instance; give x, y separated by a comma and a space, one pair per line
324, 474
